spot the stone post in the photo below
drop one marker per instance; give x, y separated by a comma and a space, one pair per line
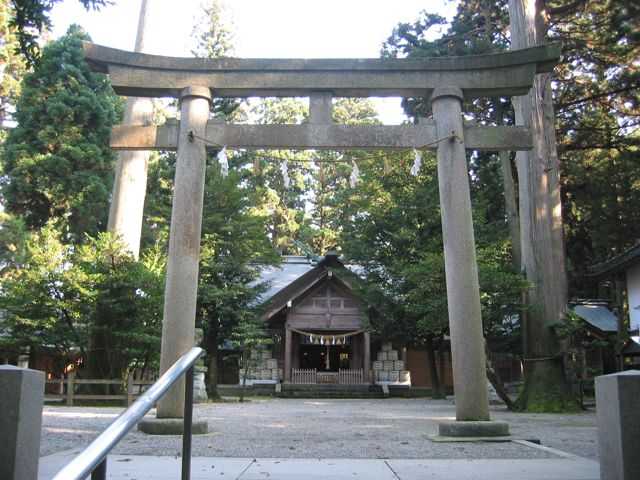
287, 354
130, 183
178, 325
21, 399
463, 293
618, 425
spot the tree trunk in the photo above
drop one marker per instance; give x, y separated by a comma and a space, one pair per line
494, 377
211, 380
436, 385
511, 205
245, 367
138, 111
546, 388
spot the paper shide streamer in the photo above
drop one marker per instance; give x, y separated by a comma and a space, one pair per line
355, 174
223, 162
417, 163
284, 169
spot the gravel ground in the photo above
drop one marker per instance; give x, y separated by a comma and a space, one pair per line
307, 428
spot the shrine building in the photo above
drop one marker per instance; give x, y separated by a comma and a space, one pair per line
320, 329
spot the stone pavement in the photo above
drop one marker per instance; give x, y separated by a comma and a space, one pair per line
128, 467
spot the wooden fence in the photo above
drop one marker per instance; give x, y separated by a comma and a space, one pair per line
67, 389
312, 376
350, 377
304, 376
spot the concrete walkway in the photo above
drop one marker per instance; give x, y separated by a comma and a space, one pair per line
132, 467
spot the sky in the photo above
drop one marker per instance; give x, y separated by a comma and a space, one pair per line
263, 28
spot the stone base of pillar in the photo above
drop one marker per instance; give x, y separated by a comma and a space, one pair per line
171, 426
473, 429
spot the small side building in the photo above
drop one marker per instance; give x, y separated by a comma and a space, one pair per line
623, 273
596, 345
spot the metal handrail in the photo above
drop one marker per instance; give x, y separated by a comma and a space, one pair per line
92, 460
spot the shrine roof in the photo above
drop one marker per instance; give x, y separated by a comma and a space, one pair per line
618, 263
296, 275
597, 315
280, 276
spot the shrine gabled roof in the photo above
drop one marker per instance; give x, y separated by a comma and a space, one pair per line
296, 275
632, 347
280, 276
618, 263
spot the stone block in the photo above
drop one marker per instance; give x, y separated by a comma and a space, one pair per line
199, 387
618, 425
21, 399
170, 426
473, 429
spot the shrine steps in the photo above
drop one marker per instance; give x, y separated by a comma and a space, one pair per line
331, 391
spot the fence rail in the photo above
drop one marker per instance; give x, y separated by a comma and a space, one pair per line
304, 376
67, 389
312, 376
350, 377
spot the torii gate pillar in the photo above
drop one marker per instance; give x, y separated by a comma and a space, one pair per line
463, 292
178, 324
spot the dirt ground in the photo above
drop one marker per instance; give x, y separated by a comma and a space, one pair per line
307, 428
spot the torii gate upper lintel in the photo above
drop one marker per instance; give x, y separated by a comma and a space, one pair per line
447, 81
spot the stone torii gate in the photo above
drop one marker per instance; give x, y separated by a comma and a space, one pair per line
445, 81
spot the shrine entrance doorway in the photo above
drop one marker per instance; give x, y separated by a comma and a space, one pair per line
326, 358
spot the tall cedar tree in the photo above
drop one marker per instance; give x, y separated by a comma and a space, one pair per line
596, 100
57, 164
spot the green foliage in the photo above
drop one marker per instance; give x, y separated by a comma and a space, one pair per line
42, 300
126, 298
59, 295
395, 233
596, 100
212, 34
282, 207
13, 67
30, 18
249, 336
13, 235
234, 246
213, 38
57, 163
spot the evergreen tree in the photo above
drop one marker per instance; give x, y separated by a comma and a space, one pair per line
30, 18
234, 249
282, 204
393, 231
57, 162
